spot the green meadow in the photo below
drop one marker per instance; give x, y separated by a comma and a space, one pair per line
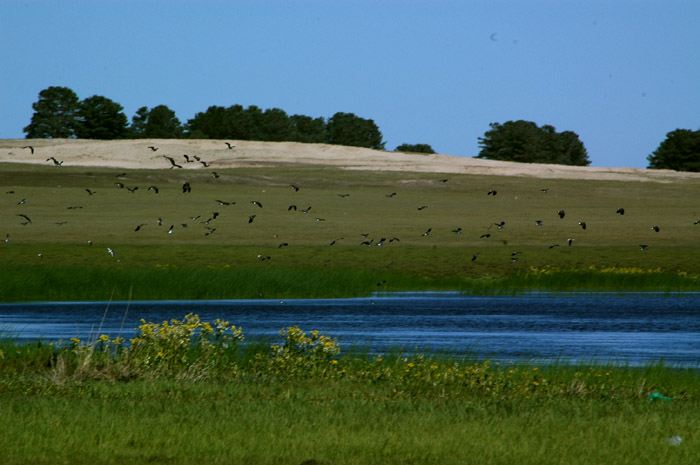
288, 253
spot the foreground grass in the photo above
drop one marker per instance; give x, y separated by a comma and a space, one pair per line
191, 392
284, 253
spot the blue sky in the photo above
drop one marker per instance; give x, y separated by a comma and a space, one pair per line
619, 73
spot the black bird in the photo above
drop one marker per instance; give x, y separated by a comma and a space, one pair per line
388, 196
620, 211
73, 207
474, 256
492, 192
172, 162
336, 240
186, 188
25, 217
538, 222
170, 231
153, 188
132, 189
30, 148
251, 218
561, 213
292, 207
500, 225
121, 175
187, 158
422, 207
153, 149
55, 162
89, 192
262, 258
228, 144
222, 203
514, 259
22, 202
342, 196
296, 189
197, 158
655, 228
696, 222
119, 185
206, 165
283, 244
457, 231
427, 232
139, 226
553, 245
255, 202
582, 224
570, 241
484, 236
210, 232
215, 175
381, 283
320, 219
160, 221
443, 180
307, 210
643, 247
392, 239
544, 191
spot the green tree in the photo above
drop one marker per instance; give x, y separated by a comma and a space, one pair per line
415, 148
525, 142
307, 129
348, 129
275, 125
159, 122
680, 151
55, 114
210, 124
101, 118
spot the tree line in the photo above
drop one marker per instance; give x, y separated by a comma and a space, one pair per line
59, 113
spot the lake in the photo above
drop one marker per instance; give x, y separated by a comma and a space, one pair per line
624, 328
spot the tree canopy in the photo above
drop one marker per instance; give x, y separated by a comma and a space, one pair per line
680, 151
348, 129
159, 122
415, 148
101, 118
523, 141
55, 114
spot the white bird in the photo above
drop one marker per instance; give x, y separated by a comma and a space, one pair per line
111, 252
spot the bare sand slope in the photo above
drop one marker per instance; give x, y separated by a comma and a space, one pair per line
137, 154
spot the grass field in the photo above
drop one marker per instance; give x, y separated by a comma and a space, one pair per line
188, 393
288, 253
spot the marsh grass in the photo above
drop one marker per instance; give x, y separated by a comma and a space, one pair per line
299, 399
228, 260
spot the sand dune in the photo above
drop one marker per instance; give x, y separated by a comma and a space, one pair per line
136, 154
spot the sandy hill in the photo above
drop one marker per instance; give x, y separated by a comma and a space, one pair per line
137, 154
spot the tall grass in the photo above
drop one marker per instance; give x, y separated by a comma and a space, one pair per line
188, 392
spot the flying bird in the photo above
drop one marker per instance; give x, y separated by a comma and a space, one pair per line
110, 251
292, 207
443, 180
90, 192
570, 241
215, 175
139, 226
457, 231
210, 232
388, 196
307, 210
422, 207
553, 245
255, 202
55, 162
153, 149
336, 240
186, 188
229, 145
222, 203
561, 214
620, 211
492, 192
132, 189
251, 218
655, 228
320, 219
119, 185
170, 231
484, 236
30, 148
544, 191
475, 256
206, 165
283, 244
643, 247
582, 224
153, 188
25, 217
500, 225
172, 162
22, 202
187, 158
427, 232
342, 196
538, 222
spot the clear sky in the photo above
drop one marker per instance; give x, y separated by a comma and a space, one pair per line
619, 73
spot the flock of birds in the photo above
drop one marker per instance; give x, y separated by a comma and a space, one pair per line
209, 220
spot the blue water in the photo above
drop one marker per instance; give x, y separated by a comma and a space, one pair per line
622, 328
